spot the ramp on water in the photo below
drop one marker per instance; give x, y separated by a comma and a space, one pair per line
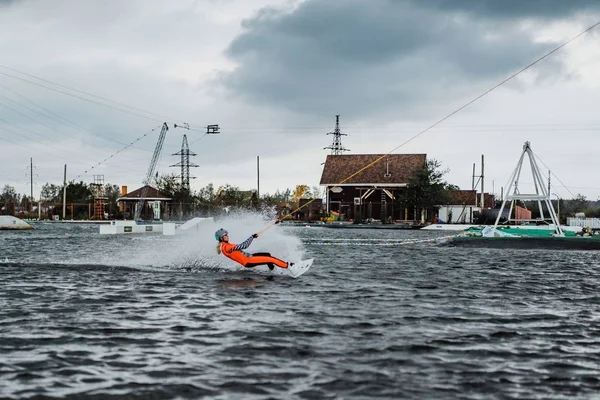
13, 224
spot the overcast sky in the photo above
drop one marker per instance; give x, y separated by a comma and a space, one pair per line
274, 73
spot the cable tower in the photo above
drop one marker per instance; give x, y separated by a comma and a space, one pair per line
336, 147
185, 163
98, 191
541, 195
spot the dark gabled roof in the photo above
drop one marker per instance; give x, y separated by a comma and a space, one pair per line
470, 198
401, 168
152, 193
463, 197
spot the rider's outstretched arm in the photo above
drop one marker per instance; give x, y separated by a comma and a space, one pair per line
244, 245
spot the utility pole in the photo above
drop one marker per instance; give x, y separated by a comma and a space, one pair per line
258, 177
30, 168
31, 176
482, 196
65, 194
473, 183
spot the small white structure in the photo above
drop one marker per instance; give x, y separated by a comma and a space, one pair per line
126, 227
464, 204
166, 228
593, 223
11, 223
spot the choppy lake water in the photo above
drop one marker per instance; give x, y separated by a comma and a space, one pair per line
150, 316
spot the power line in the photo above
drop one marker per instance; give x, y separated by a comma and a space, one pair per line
9, 178
26, 116
54, 116
557, 178
407, 128
161, 117
438, 122
61, 151
80, 97
478, 97
201, 137
119, 151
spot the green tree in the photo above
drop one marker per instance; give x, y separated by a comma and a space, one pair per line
232, 196
50, 192
26, 204
9, 199
79, 192
568, 208
207, 193
112, 193
183, 199
276, 198
427, 189
80, 195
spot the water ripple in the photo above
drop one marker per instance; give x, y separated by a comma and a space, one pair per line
399, 322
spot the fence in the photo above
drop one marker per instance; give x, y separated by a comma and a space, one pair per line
47, 210
584, 222
174, 211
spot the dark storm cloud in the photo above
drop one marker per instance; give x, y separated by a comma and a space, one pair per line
364, 57
512, 8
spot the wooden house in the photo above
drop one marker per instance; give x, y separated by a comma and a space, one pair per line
155, 203
373, 193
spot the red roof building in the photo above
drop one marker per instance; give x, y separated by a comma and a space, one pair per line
153, 200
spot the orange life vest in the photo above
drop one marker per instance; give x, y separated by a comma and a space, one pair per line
237, 255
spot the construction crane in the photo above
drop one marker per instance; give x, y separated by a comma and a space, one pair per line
151, 169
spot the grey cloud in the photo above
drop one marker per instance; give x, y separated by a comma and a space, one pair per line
379, 57
513, 8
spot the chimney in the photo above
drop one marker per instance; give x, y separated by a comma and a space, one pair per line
121, 203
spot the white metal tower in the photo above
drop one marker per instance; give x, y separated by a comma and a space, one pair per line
541, 194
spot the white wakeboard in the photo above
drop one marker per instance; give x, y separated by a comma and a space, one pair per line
294, 271
300, 267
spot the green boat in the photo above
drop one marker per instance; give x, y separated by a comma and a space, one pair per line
527, 239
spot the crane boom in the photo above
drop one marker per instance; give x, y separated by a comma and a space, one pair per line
151, 169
